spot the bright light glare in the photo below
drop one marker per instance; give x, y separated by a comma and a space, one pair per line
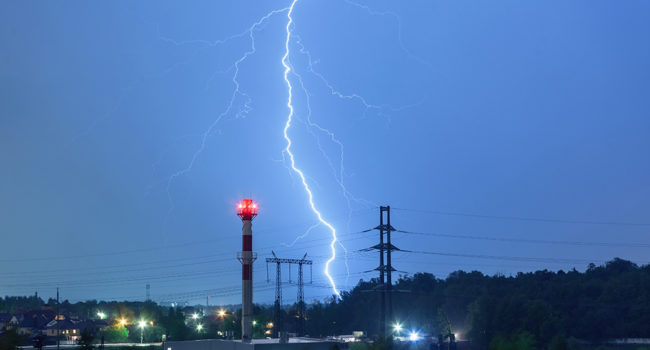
101, 315
222, 313
195, 316
123, 322
199, 327
414, 336
142, 324
397, 327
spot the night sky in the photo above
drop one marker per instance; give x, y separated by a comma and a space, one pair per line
506, 135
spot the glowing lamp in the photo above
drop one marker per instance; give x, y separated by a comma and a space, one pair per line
247, 210
414, 336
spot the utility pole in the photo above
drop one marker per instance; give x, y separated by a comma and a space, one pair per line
277, 309
301, 297
58, 326
382, 283
389, 266
279, 326
385, 269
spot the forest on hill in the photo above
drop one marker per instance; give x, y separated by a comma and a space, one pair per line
605, 302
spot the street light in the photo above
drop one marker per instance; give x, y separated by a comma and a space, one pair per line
123, 322
195, 316
397, 328
101, 315
414, 336
199, 327
142, 324
221, 313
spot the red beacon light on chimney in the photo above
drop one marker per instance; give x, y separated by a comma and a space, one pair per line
247, 209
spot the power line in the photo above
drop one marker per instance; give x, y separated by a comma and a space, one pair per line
524, 218
179, 275
512, 258
533, 241
140, 250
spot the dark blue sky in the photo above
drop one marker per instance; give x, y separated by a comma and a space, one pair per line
122, 163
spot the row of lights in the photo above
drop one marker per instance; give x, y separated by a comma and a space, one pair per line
199, 327
221, 313
412, 336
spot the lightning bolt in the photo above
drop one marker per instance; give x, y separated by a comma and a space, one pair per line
316, 128
302, 235
398, 20
239, 105
287, 150
231, 104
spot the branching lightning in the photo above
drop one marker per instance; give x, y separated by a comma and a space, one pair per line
398, 19
239, 104
314, 127
302, 236
236, 92
287, 70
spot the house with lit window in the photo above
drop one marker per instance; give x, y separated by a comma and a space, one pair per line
64, 327
69, 329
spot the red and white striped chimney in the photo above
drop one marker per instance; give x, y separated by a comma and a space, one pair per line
247, 210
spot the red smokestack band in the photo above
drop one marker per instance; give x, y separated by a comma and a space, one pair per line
247, 243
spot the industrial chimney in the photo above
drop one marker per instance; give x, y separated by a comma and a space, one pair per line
247, 210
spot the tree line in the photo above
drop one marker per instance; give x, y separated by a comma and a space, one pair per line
541, 309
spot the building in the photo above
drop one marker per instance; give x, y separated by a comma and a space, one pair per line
5, 321
33, 321
71, 330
